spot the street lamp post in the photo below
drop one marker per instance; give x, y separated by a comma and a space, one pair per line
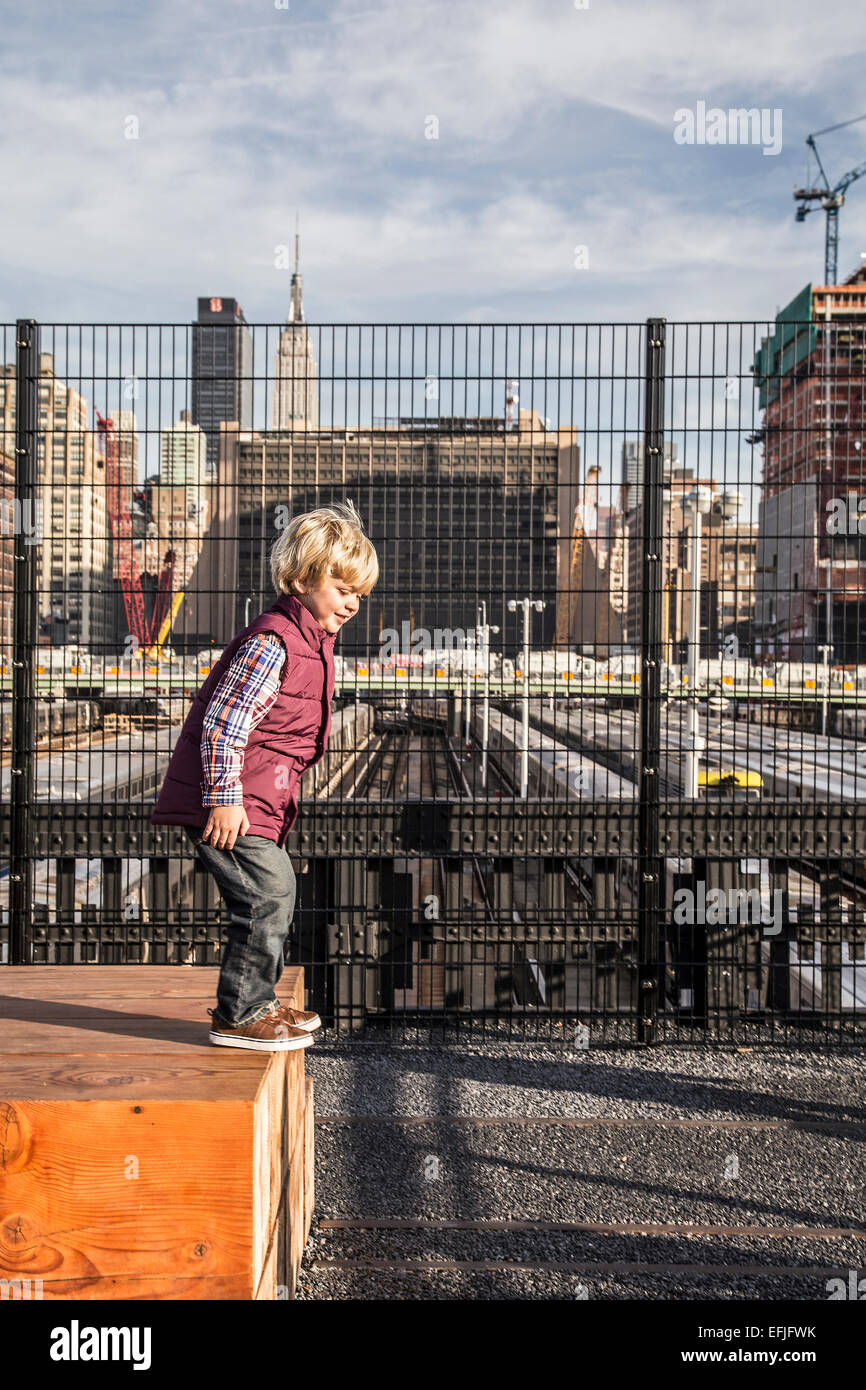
468, 695
484, 630
825, 688
831, 563
696, 504
513, 605
828, 644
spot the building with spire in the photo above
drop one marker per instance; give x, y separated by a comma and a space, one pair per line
295, 399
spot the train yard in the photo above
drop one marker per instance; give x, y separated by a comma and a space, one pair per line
487, 934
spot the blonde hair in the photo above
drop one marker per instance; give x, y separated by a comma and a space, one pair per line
327, 540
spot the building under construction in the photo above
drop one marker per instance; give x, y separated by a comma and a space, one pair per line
811, 573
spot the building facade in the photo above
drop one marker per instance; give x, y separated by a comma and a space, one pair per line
812, 552
222, 371
73, 561
459, 512
590, 608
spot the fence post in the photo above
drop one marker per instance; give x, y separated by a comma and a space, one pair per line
26, 537
650, 863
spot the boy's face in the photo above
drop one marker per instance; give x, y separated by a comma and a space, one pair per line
332, 604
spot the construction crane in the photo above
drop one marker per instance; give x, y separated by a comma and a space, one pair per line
165, 609
830, 199
150, 636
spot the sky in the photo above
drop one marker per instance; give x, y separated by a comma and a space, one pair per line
555, 130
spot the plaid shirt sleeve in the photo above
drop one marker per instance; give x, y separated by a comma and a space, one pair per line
240, 702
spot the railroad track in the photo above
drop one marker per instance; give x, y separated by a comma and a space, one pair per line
562, 1206
528, 1206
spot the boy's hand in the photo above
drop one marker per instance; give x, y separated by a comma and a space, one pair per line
224, 825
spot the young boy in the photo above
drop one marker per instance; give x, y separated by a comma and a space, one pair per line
259, 721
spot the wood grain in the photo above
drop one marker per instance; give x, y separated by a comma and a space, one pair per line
161, 1014
137, 1160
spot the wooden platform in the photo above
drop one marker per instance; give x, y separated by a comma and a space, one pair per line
137, 1160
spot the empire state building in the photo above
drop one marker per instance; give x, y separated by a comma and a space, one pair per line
295, 399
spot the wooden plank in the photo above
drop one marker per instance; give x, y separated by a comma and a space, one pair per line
286, 1276
119, 1038
288, 1236
106, 1189
284, 1086
87, 1012
150, 1288
268, 1282
16, 1007
103, 1032
131, 981
229, 1075
295, 1207
139, 977
263, 1176
309, 1157
277, 1281
74, 1022
136, 1160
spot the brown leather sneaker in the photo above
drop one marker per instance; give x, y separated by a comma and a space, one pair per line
300, 1018
271, 1033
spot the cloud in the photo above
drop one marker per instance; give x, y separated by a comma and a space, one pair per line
555, 128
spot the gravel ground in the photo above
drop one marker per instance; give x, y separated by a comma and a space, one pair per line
713, 1174
543, 1080
541, 1287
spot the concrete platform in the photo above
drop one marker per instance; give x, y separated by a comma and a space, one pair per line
137, 1160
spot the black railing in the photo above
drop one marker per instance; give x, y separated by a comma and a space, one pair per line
597, 761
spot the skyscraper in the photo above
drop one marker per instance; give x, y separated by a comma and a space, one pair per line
183, 454
73, 559
222, 371
632, 469
811, 570
295, 400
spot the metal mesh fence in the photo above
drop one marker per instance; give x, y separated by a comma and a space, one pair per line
594, 768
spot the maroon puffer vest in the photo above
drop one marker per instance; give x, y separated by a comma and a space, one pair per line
292, 736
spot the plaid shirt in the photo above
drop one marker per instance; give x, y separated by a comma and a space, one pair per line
240, 702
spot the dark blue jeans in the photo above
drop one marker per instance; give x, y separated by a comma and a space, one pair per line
258, 885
